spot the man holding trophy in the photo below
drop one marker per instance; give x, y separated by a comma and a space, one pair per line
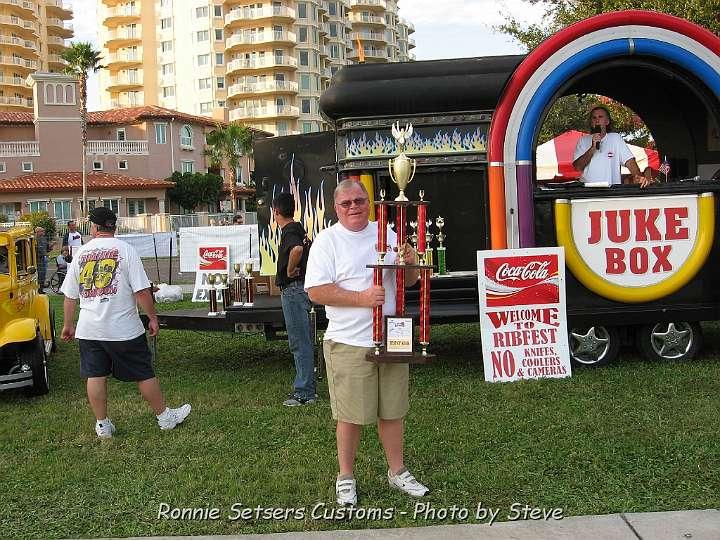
361, 392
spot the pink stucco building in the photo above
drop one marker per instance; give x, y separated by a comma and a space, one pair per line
130, 153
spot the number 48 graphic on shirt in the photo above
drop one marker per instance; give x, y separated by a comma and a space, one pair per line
97, 274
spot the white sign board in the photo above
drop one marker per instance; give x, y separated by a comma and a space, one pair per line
242, 240
211, 259
522, 314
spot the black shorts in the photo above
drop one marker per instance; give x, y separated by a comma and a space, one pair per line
127, 360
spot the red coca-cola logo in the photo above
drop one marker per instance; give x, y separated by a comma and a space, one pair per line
533, 270
213, 258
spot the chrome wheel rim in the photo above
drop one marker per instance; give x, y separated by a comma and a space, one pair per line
671, 340
590, 347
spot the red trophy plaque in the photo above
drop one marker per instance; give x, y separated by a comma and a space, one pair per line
393, 335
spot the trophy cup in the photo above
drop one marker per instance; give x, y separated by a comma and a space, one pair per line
212, 295
428, 239
225, 293
402, 168
237, 286
442, 268
249, 292
393, 335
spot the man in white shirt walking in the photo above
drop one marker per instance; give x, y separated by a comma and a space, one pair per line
108, 277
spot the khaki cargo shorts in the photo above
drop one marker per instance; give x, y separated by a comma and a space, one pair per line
362, 391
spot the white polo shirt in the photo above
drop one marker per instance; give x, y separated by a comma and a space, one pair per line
604, 167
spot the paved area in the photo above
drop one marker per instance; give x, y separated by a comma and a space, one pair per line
691, 524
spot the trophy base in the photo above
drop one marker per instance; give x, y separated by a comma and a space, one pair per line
399, 358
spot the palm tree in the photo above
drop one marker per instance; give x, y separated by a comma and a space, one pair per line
226, 145
81, 58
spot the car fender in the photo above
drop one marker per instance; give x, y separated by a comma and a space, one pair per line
18, 331
41, 312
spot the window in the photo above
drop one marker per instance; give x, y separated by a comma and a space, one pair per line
221, 103
135, 207
217, 11
168, 91
160, 133
201, 12
168, 69
186, 136
165, 23
27, 166
202, 35
302, 35
123, 165
62, 209
304, 58
3, 167
304, 81
218, 34
112, 204
205, 83
120, 134
97, 165
203, 59
220, 81
22, 255
333, 30
187, 167
305, 104
334, 51
332, 8
219, 59
38, 206
302, 10
306, 127
166, 46
206, 107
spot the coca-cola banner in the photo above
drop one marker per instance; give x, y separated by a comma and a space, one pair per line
211, 259
522, 314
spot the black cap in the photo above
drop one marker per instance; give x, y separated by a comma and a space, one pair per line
103, 216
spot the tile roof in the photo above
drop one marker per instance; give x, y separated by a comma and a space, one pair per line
72, 181
16, 118
129, 115
238, 190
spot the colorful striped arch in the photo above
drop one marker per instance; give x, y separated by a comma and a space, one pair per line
546, 69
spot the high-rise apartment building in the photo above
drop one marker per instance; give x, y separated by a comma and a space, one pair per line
263, 63
32, 37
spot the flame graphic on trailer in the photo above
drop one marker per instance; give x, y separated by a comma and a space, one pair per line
309, 211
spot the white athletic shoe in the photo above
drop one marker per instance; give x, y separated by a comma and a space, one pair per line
346, 491
172, 417
406, 482
104, 428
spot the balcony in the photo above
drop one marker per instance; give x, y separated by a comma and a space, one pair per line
263, 88
410, 26
369, 36
19, 148
59, 27
58, 9
121, 15
282, 37
18, 62
29, 27
20, 43
122, 37
123, 59
117, 148
371, 55
56, 42
13, 81
276, 13
367, 19
11, 101
241, 64
376, 5
26, 7
411, 43
57, 60
124, 82
276, 111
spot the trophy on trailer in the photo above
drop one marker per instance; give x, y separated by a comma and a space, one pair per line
429, 260
393, 335
249, 292
211, 291
225, 293
237, 285
413, 236
442, 267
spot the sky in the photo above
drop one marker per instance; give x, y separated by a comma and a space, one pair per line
443, 29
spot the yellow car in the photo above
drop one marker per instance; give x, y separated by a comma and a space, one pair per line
27, 325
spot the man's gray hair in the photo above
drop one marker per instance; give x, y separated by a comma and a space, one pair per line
347, 184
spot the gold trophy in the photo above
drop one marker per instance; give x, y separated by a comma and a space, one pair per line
212, 295
249, 293
402, 168
237, 286
225, 292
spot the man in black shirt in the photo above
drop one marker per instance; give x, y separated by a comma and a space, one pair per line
295, 302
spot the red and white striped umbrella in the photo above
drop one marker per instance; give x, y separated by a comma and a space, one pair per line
553, 159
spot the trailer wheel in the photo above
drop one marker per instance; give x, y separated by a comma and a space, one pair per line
33, 353
594, 346
673, 341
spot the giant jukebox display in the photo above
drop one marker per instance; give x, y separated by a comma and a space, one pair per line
394, 335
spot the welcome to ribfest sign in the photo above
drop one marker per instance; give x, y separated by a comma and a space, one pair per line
522, 314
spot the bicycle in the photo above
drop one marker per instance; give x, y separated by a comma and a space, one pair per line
56, 281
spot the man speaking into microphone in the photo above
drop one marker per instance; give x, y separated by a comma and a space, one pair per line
600, 155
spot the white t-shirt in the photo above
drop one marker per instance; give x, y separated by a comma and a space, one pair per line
339, 256
105, 274
604, 167
74, 240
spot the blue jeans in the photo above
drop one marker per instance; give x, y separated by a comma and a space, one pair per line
296, 305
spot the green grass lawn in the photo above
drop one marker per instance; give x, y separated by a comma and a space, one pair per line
632, 437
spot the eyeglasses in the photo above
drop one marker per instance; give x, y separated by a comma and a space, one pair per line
357, 202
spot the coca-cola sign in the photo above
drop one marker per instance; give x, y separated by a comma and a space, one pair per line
531, 270
213, 258
521, 280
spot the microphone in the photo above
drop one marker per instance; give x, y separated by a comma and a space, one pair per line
596, 129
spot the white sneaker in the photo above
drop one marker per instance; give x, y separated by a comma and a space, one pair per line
406, 482
172, 417
104, 428
346, 491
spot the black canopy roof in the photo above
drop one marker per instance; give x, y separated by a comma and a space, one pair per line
430, 86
